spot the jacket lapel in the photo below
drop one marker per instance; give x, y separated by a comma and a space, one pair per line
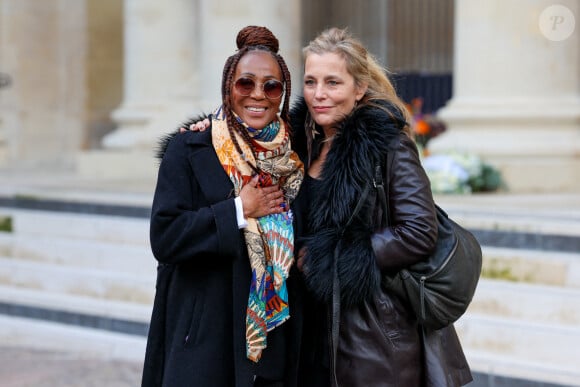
213, 180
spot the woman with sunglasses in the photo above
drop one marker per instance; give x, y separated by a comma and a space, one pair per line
226, 311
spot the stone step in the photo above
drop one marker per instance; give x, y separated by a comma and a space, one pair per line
523, 322
74, 252
86, 282
493, 342
564, 223
532, 266
554, 214
527, 302
64, 224
38, 303
43, 335
552, 203
523, 328
500, 370
520, 265
98, 214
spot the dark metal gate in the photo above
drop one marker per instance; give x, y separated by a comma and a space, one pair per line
412, 38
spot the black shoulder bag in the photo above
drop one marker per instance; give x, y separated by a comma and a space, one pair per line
440, 288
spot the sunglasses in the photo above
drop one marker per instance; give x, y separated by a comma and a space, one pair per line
272, 88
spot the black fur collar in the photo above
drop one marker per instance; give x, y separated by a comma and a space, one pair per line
164, 140
363, 139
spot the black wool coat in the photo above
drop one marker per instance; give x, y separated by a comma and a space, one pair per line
380, 342
197, 331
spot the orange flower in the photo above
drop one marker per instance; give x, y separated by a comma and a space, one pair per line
422, 127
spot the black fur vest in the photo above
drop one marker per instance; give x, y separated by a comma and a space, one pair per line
363, 140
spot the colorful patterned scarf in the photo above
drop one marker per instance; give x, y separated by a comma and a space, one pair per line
269, 239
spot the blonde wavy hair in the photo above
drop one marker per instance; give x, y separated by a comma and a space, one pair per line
361, 64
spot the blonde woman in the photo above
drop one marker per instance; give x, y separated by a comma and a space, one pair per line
349, 121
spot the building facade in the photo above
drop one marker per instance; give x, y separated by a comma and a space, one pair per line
87, 86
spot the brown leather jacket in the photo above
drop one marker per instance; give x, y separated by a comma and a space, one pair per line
379, 340
380, 343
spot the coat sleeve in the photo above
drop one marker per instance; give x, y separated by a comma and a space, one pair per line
185, 226
412, 233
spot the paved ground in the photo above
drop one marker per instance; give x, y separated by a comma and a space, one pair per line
35, 368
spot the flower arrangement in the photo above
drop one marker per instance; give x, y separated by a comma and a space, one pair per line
424, 126
463, 173
454, 172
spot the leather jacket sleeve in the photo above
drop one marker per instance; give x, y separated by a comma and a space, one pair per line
412, 233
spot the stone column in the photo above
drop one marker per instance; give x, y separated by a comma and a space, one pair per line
4, 83
220, 22
42, 48
516, 99
160, 68
174, 57
7, 64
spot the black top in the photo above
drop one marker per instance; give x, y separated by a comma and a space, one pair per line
315, 349
271, 364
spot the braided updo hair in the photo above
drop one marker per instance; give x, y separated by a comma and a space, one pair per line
253, 38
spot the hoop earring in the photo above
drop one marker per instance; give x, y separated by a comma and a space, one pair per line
310, 127
311, 132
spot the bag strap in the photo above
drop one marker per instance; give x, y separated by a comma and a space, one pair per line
379, 185
335, 306
383, 191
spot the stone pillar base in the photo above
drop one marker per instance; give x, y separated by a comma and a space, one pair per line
539, 175
130, 122
110, 164
130, 151
534, 144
